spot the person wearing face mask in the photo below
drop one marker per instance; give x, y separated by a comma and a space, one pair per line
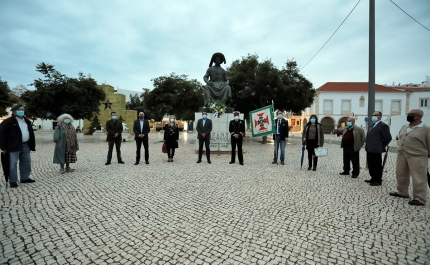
17, 140
204, 129
313, 137
66, 143
280, 137
141, 130
114, 129
412, 159
377, 139
237, 130
171, 137
352, 141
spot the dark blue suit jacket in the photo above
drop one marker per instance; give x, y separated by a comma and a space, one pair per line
378, 138
145, 129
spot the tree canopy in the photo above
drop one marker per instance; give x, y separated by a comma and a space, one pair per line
175, 95
255, 84
6, 100
135, 103
58, 94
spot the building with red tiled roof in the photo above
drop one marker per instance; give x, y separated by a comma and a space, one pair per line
344, 87
336, 101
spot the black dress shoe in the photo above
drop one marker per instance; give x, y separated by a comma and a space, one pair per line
354, 176
368, 180
28, 181
375, 183
137, 163
416, 202
344, 173
107, 163
14, 185
309, 168
146, 162
199, 161
231, 162
121, 162
209, 162
241, 164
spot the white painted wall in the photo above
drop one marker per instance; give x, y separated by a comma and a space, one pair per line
395, 121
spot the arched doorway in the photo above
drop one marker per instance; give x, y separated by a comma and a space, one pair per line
327, 124
342, 122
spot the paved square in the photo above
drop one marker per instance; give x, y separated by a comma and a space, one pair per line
188, 213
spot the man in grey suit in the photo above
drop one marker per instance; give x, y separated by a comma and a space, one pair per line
377, 139
204, 129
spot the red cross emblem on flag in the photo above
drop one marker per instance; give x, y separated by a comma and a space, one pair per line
262, 121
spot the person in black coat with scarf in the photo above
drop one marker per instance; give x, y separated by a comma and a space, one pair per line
313, 137
171, 137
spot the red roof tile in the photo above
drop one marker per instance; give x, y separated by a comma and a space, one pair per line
354, 87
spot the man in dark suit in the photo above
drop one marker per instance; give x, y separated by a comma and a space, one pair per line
237, 130
204, 129
377, 139
141, 130
280, 137
114, 130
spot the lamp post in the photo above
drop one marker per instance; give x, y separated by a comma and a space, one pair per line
371, 91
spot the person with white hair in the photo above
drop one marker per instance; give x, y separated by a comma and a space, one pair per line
66, 143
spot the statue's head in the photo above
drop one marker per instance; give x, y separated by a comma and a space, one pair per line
220, 56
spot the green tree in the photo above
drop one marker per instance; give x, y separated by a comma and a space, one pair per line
95, 122
135, 103
255, 84
58, 94
173, 94
6, 100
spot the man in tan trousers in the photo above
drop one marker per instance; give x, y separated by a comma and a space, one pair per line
412, 158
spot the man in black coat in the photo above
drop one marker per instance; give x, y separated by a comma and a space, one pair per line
17, 139
237, 130
377, 139
114, 129
141, 130
204, 129
280, 137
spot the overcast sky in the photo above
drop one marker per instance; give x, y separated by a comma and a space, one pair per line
128, 43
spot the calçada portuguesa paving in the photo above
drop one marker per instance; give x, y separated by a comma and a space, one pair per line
188, 213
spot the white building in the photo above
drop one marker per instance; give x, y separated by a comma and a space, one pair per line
336, 101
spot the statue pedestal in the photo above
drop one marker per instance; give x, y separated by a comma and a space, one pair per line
220, 135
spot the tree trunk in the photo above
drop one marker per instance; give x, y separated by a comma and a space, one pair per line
264, 139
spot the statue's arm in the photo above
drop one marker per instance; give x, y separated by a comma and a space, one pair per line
207, 75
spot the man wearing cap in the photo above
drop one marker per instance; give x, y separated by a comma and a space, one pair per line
17, 139
412, 159
237, 130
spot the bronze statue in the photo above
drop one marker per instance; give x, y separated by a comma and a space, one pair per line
217, 88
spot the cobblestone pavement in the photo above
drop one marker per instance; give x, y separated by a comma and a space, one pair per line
188, 213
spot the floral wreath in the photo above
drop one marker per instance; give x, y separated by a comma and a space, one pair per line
217, 109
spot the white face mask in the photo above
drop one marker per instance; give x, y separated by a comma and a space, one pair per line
236, 117
172, 120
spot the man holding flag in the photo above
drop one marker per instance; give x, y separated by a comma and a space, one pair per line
280, 137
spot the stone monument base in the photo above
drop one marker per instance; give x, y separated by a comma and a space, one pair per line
220, 136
